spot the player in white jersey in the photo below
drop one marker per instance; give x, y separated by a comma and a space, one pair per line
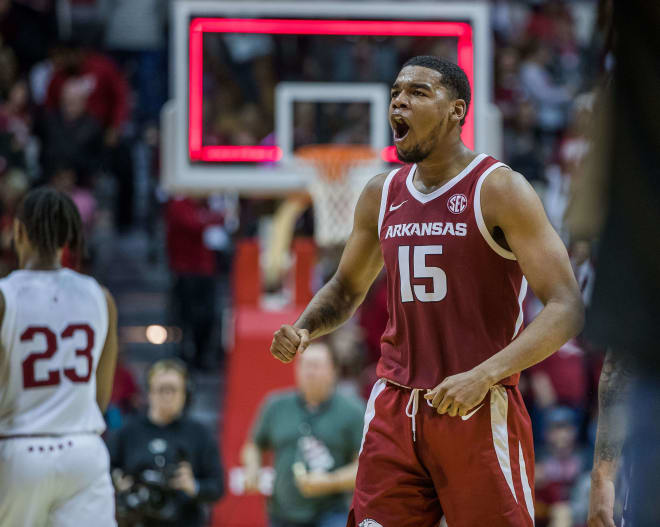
58, 349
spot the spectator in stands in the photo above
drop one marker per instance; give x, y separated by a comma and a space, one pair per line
70, 134
181, 455
558, 469
315, 435
521, 143
65, 178
96, 76
106, 94
561, 379
193, 264
551, 99
125, 398
15, 127
13, 186
135, 33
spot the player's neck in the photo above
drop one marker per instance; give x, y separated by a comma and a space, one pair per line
39, 263
442, 165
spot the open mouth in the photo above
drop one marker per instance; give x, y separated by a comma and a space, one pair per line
400, 129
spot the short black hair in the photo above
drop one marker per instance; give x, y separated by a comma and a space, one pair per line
52, 221
453, 77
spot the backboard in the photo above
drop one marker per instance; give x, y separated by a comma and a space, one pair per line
254, 80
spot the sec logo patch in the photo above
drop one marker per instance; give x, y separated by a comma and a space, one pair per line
457, 203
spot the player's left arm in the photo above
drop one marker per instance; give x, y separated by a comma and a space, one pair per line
105, 371
510, 204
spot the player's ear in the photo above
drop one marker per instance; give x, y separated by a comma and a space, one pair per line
458, 110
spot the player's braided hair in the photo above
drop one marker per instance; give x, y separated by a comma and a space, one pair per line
453, 77
52, 221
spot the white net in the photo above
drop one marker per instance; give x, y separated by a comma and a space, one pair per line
337, 176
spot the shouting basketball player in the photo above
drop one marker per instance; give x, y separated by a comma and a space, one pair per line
460, 234
57, 358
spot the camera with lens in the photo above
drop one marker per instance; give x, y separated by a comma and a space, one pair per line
150, 498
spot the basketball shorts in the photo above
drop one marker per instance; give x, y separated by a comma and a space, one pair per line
416, 466
56, 481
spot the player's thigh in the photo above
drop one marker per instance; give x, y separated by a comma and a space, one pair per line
90, 499
482, 466
94, 506
392, 488
25, 483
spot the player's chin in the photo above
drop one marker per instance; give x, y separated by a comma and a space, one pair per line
408, 154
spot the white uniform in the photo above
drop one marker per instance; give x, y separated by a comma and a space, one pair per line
54, 467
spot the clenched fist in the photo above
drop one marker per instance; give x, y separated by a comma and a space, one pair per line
287, 341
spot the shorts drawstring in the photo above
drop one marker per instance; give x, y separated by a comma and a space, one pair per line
414, 402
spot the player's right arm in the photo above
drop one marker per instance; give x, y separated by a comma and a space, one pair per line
613, 394
105, 372
337, 300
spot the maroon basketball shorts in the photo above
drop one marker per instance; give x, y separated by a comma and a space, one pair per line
416, 466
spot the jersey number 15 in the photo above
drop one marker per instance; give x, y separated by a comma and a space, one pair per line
54, 376
421, 270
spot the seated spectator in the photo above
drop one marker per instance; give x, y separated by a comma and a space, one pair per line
561, 379
558, 468
65, 178
166, 466
315, 435
125, 398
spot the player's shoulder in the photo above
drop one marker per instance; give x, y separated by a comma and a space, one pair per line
368, 206
91, 282
507, 192
503, 180
374, 186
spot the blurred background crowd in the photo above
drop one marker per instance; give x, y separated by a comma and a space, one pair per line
82, 83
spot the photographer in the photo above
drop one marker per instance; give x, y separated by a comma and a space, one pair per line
165, 465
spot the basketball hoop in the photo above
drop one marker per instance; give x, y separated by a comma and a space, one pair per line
338, 174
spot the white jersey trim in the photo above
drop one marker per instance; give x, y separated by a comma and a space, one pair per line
499, 407
527, 490
425, 198
521, 299
370, 413
480, 219
383, 198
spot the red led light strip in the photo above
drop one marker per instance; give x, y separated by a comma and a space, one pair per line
226, 153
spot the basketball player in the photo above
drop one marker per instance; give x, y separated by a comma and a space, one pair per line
460, 234
57, 358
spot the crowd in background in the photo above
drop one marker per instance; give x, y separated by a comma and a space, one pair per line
80, 95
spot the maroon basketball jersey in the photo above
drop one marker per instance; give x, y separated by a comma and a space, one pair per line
454, 295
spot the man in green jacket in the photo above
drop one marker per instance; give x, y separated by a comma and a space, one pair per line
315, 434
